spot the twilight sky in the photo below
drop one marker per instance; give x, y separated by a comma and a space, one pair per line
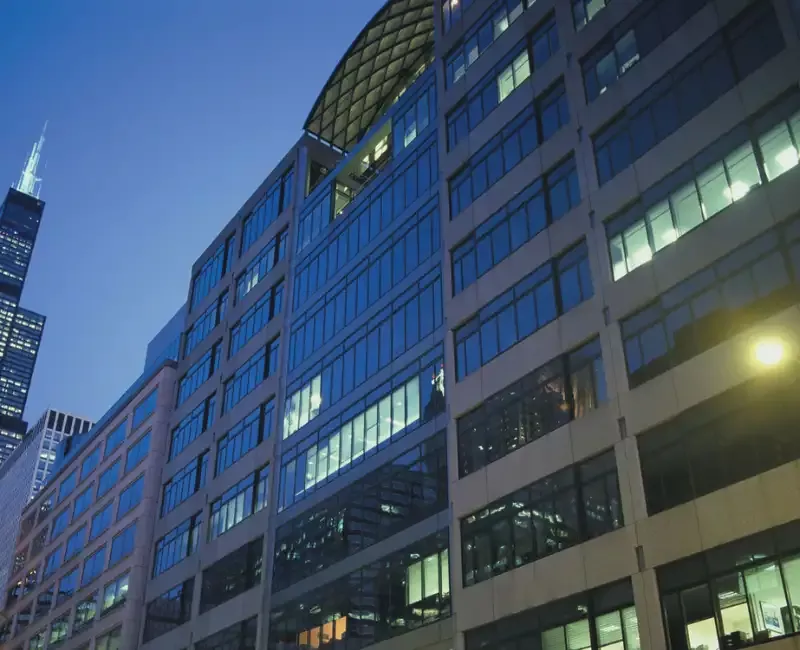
165, 115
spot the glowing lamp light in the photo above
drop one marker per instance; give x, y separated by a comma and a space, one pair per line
769, 352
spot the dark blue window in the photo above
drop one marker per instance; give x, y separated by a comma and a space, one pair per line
741, 47
550, 291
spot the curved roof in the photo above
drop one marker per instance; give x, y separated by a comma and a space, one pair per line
387, 54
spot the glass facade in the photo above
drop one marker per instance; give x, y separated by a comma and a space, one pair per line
436, 329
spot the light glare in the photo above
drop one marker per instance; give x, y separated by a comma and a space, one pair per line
769, 352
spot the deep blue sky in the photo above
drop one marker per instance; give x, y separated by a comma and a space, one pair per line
165, 115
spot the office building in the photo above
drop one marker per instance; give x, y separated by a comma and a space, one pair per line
84, 542
27, 471
162, 347
503, 352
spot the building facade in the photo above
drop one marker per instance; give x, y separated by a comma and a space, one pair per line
84, 542
473, 367
26, 472
480, 364
20, 329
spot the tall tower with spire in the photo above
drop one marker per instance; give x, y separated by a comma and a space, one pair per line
20, 329
29, 183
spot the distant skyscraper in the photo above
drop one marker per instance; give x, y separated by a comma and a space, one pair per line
20, 329
27, 471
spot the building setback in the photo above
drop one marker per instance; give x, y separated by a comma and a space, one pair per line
84, 543
25, 474
502, 353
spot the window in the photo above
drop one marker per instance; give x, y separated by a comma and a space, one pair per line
36, 642
490, 92
371, 217
314, 219
691, 195
31, 580
413, 316
389, 265
234, 574
478, 38
38, 544
400, 405
101, 521
115, 438
537, 206
67, 586
144, 409
409, 124
740, 591
20, 558
714, 444
397, 495
564, 509
110, 641
200, 372
122, 545
239, 636
67, 486
779, 147
249, 376
190, 428
354, 229
130, 497
239, 502
601, 618
453, 11
333, 612
583, 11
184, 483
93, 565
177, 544
115, 593
75, 543
137, 452
504, 151
58, 630
212, 271
635, 37
550, 291
266, 211
53, 561
60, 524
169, 611
245, 435
262, 264
45, 507
44, 602
714, 304
82, 502
428, 579
205, 324
85, 611
108, 479
90, 462
256, 318
688, 89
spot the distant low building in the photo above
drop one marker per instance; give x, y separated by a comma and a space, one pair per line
27, 470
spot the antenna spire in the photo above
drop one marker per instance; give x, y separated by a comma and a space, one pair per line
29, 183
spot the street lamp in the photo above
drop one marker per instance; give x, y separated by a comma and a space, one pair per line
769, 352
